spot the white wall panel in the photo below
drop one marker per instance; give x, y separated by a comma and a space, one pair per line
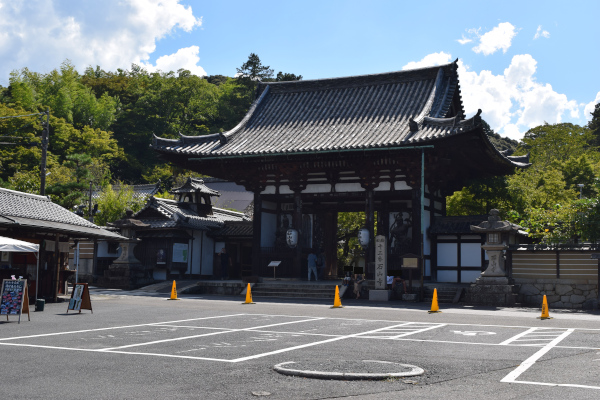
447, 255
470, 254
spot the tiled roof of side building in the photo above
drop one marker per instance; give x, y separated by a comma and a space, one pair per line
396, 109
33, 211
175, 214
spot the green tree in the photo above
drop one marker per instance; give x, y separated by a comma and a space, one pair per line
594, 125
253, 70
112, 205
72, 193
347, 236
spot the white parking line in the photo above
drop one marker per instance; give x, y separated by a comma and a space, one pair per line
315, 343
511, 378
207, 334
117, 327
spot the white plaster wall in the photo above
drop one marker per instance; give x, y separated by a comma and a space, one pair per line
348, 187
285, 189
268, 229
269, 190
196, 258
447, 255
383, 186
103, 250
208, 254
317, 188
470, 254
447, 276
401, 185
469, 276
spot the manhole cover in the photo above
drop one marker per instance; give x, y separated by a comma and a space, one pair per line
349, 370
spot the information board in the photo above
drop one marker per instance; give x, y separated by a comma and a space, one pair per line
80, 298
180, 252
14, 298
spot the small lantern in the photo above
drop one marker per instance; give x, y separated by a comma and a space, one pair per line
291, 237
363, 237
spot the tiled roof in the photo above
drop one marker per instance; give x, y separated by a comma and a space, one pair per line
24, 210
193, 185
397, 109
236, 229
181, 215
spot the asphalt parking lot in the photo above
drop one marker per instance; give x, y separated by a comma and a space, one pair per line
217, 348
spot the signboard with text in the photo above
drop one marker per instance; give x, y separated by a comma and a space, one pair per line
380, 262
14, 298
80, 298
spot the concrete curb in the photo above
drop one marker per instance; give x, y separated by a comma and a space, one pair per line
415, 371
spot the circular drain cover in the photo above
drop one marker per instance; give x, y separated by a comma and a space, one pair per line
349, 370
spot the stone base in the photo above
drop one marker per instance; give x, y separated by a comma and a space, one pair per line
492, 294
126, 276
493, 280
380, 295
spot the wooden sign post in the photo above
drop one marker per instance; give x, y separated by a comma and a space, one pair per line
14, 298
80, 298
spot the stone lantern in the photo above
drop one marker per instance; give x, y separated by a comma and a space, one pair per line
493, 287
127, 272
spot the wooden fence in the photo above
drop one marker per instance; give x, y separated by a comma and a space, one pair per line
553, 264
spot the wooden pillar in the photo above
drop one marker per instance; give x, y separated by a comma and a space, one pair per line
297, 224
57, 265
256, 233
370, 222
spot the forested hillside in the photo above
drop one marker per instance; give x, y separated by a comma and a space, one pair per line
102, 123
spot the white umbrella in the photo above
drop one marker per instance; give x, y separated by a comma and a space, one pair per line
18, 246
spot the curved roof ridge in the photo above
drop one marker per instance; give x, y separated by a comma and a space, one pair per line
409, 73
229, 134
24, 194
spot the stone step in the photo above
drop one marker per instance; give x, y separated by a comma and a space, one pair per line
293, 295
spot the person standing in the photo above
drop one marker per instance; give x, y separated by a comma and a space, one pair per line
312, 265
225, 264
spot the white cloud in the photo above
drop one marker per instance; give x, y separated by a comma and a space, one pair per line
498, 38
541, 33
429, 61
513, 101
589, 107
186, 58
464, 40
40, 34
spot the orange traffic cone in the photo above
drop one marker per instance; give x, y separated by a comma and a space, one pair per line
545, 314
337, 303
248, 296
173, 292
434, 303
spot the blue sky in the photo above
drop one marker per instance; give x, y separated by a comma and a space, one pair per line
522, 62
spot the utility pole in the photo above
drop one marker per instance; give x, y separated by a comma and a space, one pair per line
90, 212
45, 140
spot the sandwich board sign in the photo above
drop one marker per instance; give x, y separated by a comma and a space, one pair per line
14, 298
80, 298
